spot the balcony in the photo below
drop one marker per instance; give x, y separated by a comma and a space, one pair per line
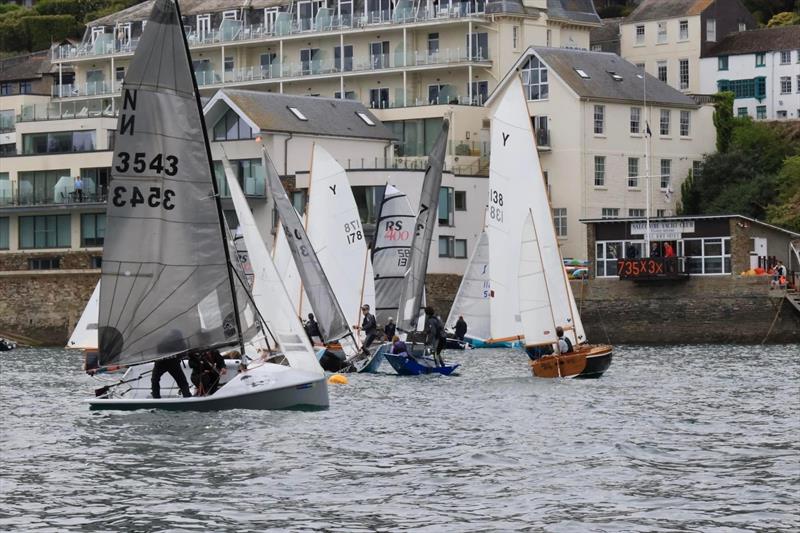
66, 110
283, 26
542, 139
65, 197
92, 88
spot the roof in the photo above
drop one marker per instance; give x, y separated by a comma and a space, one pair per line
764, 40
666, 9
25, 67
600, 85
572, 11
188, 7
607, 32
685, 217
269, 112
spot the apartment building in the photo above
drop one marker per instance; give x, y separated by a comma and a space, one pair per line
762, 69
591, 113
668, 38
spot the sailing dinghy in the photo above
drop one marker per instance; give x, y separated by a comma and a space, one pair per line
168, 285
533, 281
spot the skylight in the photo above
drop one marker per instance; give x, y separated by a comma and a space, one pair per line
582, 73
615, 76
296, 112
363, 116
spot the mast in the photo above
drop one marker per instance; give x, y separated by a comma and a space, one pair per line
646, 165
214, 186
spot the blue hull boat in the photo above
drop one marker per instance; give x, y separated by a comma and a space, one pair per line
415, 366
481, 343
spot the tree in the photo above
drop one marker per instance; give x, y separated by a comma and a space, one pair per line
786, 210
784, 19
723, 119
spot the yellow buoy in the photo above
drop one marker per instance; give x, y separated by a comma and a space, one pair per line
338, 379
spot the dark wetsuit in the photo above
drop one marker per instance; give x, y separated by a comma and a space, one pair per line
389, 330
370, 329
435, 337
461, 329
206, 371
173, 366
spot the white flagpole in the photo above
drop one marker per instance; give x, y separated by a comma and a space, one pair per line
646, 164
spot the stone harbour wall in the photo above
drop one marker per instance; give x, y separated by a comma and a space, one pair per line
440, 291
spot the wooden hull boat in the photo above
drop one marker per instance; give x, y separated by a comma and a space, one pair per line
586, 362
416, 366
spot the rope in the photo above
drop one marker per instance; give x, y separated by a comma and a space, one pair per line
774, 320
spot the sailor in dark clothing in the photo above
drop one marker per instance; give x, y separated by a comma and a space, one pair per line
461, 328
312, 329
435, 337
208, 367
536, 352
173, 366
389, 329
370, 328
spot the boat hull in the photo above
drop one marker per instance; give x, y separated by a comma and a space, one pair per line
475, 342
264, 387
409, 366
586, 362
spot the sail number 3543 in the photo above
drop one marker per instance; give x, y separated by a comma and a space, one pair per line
160, 163
495, 205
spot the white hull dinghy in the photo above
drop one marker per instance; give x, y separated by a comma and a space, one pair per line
169, 287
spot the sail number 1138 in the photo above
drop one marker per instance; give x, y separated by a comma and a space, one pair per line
495, 205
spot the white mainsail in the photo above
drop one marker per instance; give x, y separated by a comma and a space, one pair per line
534, 302
472, 298
268, 293
335, 231
287, 270
393, 231
84, 336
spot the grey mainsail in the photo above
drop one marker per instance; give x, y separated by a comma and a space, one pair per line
332, 322
391, 251
414, 282
165, 284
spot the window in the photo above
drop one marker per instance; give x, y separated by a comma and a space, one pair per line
299, 201
25, 87
786, 57
39, 187
46, 231
597, 48
636, 119
664, 122
229, 64
249, 173
661, 212
461, 200
599, 119
460, 251
363, 116
633, 172
610, 212
44, 263
639, 34
368, 199
480, 46
379, 98
534, 78
347, 64
309, 61
446, 246
640, 66
706, 256
438, 94
662, 33
684, 123
7, 119
379, 54
93, 229
446, 206
741, 112
514, 37
270, 16
606, 257
683, 30
58, 142
560, 221
786, 85
119, 74
582, 73
683, 73
232, 127
5, 89
761, 112
742, 26
661, 68
722, 63
797, 83
433, 44
761, 59
748, 88
96, 261
229, 15
636, 213
697, 168
95, 182
599, 171
480, 92
666, 166
417, 136
348, 95
781, 113
711, 30
4, 231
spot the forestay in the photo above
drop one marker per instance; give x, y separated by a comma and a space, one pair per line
393, 232
332, 322
335, 231
414, 282
472, 298
165, 284
84, 336
269, 295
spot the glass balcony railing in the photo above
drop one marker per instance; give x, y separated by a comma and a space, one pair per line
66, 110
92, 88
283, 25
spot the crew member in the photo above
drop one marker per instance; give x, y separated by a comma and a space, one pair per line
564, 344
370, 328
173, 366
389, 329
435, 337
312, 329
461, 328
208, 367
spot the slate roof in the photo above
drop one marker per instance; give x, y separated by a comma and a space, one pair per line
601, 85
326, 116
25, 67
573, 11
666, 9
764, 40
606, 33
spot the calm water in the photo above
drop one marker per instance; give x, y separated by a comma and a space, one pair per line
671, 439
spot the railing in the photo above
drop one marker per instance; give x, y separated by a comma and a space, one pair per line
92, 88
65, 110
10, 198
284, 26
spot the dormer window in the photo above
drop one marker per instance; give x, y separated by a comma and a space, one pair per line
296, 112
582, 73
97, 31
229, 15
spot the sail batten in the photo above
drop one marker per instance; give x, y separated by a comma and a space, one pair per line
412, 297
165, 283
